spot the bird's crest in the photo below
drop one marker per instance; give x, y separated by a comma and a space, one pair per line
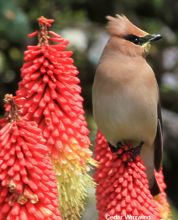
121, 26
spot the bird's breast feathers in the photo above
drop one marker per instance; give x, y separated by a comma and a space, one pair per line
129, 112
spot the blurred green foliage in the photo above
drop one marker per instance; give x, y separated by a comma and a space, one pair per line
18, 18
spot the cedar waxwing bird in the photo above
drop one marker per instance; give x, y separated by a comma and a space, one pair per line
126, 95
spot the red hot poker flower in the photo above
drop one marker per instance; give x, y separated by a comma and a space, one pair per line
122, 186
51, 90
52, 94
28, 187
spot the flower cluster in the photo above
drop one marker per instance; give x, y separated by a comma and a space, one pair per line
52, 98
28, 186
122, 185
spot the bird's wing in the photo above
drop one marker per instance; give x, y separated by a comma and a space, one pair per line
158, 144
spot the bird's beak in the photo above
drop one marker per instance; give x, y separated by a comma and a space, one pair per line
150, 37
154, 37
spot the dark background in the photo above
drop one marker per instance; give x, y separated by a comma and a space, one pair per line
82, 22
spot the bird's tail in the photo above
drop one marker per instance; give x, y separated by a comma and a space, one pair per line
155, 190
147, 155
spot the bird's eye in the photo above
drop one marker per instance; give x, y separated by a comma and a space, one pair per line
133, 38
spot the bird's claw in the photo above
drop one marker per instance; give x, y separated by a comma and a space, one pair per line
133, 152
118, 146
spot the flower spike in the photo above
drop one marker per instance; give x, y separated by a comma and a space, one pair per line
28, 187
50, 86
122, 186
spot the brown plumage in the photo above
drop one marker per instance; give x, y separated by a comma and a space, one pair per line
125, 93
121, 26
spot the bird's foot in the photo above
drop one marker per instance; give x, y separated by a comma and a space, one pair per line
125, 148
114, 149
134, 151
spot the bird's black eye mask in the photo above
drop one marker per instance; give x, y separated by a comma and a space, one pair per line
142, 40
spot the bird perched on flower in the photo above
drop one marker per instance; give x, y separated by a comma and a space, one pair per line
126, 95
